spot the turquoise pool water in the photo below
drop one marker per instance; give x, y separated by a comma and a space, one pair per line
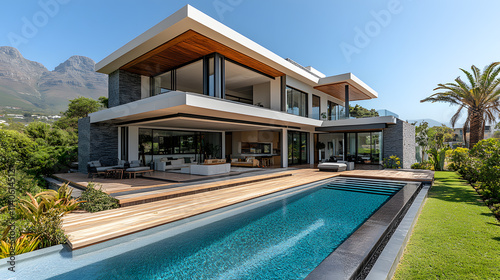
283, 240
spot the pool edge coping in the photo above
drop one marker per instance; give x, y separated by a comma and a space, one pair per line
388, 260
349, 259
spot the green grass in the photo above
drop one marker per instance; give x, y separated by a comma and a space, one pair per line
456, 236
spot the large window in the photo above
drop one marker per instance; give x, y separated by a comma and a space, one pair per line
365, 147
245, 85
163, 83
332, 146
316, 107
189, 78
296, 102
297, 147
361, 148
335, 111
219, 77
156, 143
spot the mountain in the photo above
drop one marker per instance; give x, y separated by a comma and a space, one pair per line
431, 122
29, 85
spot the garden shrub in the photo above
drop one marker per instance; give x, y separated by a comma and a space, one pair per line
392, 162
96, 200
480, 166
422, 165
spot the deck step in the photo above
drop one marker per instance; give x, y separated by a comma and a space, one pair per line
173, 192
55, 184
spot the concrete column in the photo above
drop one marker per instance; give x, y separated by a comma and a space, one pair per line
346, 101
311, 148
223, 144
284, 147
133, 143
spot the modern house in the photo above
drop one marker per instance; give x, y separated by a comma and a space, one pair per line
192, 87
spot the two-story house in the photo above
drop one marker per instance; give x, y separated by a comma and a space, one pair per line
192, 87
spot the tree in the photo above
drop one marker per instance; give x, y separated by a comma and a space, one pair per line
104, 101
361, 112
78, 108
438, 135
480, 98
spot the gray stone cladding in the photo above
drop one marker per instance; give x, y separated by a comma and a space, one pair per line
83, 144
123, 87
399, 140
96, 142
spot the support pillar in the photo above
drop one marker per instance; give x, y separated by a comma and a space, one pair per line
284, 147
346, 101
223, 145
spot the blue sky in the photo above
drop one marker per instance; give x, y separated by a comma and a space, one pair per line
402, 49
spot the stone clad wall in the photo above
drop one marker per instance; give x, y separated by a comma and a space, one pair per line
123, 87
96, 142
83, 144
399, 140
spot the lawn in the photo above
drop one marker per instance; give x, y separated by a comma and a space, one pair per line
456, 236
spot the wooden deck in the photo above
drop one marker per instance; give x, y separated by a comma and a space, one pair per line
110, 186
172, 191
85, 229
91, 228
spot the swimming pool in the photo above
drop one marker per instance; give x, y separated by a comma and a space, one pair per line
281, 236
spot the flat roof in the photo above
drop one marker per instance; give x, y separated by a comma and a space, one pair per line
189, 33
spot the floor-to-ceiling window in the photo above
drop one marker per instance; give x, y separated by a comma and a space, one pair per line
163, 83
296, 102
245, 85
331, 146
297, 147
334, 111
157, 143
365, 147
361, 147
124, 143
316, 107
189, 78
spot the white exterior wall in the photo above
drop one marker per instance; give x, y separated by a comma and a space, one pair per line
275, 94
284, 147
145, 87
133, 143
311, 147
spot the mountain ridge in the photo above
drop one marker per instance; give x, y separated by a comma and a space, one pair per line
31, 86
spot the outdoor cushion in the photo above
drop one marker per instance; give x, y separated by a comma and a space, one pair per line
332, 166
135, 163
140, 168
95, 163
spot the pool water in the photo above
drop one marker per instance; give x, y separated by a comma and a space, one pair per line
282, 240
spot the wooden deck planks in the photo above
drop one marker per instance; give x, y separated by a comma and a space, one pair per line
111, 185
137, 198
85, 229
88, 229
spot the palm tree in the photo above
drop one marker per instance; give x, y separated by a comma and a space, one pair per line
480, 98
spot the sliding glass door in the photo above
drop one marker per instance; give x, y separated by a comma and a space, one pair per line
297, 147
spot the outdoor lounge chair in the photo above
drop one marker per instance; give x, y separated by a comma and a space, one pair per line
332, 166
96, 168
136, 168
